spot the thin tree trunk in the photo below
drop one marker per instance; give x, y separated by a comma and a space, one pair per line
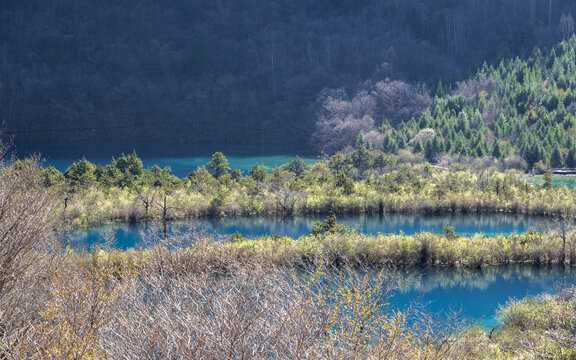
164, 220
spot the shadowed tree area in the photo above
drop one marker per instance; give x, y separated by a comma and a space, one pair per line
244, 71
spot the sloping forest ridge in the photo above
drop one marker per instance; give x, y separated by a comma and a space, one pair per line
247, 71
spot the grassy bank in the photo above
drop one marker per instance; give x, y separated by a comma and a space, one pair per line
532, 328
355, 249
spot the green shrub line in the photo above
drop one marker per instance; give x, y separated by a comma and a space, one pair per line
353, 249
419, 249
125, 191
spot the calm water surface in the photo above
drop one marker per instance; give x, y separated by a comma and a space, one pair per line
129, 235
477, 293
557, 181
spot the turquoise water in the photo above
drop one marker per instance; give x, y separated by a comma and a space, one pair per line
129, 235
182, 158
476, 293
557, 181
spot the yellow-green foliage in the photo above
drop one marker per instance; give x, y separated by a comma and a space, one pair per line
424, 248
355, 317
79, 306
532, 328
409, 189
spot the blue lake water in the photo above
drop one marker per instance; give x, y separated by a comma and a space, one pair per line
478, 293
129, 235
182, 158
557, 181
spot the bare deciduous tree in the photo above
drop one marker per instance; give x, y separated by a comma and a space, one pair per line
399, 101
289, 194
28, 213
147, 195
564, 223
475, 87
340, 118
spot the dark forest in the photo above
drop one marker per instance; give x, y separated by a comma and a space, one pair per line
244, 71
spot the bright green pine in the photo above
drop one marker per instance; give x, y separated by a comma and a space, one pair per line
524, 107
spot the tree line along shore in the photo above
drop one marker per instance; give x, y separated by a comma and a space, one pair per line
361, 181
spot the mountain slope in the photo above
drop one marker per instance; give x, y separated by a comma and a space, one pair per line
524, 107
242, 71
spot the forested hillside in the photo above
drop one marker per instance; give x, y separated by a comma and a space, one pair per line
523, 107
242, 71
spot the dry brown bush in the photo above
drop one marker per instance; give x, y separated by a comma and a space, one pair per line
259, 312
27, 217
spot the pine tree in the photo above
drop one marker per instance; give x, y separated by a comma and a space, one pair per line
496, 151
533, 155
479, 150
401, 143
361, 141
571, 158
431, 150
219, 165
418, 148
556, 160
386, 144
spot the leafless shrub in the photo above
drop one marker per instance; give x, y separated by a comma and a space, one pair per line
399, 101
448, 160
479, 164
493, 109
514, 162
564, 225
340, 118
482, 164
196, 316
374, 137
184, 252
262, 312
438, 329
481, 85
27, 216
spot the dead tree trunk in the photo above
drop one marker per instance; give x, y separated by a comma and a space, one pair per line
164, 219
